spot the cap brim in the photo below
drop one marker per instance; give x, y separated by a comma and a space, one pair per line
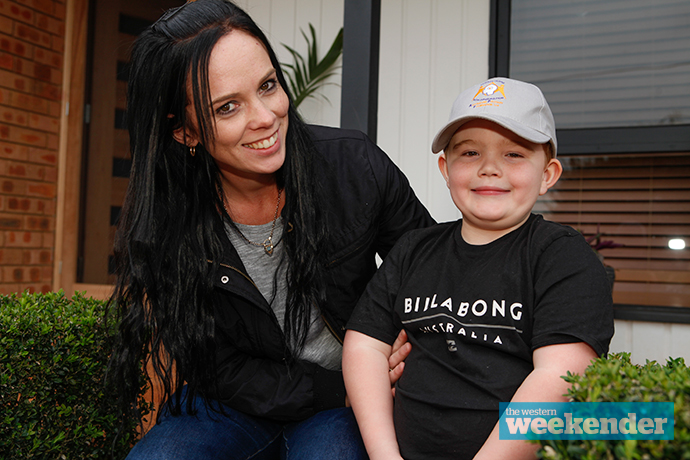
443, 137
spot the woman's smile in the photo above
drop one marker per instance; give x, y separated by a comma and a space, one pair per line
263, 144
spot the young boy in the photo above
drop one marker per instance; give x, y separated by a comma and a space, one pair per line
497, 305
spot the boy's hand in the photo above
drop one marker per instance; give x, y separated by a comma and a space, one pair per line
396, 363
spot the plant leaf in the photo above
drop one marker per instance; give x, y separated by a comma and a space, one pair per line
306, 76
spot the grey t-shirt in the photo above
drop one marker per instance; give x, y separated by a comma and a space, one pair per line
321, 346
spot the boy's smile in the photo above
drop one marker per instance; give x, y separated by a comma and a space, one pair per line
495, 177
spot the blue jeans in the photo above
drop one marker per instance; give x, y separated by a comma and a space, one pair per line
331, 434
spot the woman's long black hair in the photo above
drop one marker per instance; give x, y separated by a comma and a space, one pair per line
168, 242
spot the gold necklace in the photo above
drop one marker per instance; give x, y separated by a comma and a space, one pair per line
268, 242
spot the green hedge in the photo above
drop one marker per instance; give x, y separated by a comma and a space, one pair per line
616, 379
54, 403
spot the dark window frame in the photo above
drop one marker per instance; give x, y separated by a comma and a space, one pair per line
675, 138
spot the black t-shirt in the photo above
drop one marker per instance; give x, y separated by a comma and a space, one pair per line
474, 315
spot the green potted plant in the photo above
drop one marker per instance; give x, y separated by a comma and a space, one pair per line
617, 379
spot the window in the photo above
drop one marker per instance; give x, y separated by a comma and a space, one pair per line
615, 75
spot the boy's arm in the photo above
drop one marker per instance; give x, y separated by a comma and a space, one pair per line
365, 370
543, 384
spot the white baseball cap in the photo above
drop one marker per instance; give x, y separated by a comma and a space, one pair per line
517, 106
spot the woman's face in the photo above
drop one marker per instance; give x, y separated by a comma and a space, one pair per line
249, 108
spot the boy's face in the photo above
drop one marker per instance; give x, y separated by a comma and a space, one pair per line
495, 176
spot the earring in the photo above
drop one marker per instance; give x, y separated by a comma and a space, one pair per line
192, 151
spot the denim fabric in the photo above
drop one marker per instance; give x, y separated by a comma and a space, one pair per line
331, 434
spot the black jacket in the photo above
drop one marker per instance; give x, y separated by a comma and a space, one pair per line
370, 205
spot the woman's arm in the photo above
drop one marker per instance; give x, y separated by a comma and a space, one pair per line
396, 363
543, 384
365, 370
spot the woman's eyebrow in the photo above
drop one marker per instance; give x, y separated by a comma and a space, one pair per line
232, 95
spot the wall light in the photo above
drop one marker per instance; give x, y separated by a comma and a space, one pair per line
676, 243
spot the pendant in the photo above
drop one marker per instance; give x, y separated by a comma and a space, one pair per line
268, 246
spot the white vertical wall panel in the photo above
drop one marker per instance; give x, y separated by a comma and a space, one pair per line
282, 21
652, 341
430, 52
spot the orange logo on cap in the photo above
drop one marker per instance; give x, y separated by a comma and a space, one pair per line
489, 94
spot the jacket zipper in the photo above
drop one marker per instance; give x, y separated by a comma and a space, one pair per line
235, 269
332, 331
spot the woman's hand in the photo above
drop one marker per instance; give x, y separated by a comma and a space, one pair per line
396, 362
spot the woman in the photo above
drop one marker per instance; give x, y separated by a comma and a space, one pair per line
245, 240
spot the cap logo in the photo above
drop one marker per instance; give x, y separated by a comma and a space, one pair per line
490, 94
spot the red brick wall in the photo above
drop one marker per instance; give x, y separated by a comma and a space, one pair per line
31, 55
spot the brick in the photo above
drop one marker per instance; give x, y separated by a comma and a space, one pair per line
50, 174
26, 170
36, 287
17, 12
35, 274
32, 35
13, 186
53, 142
30, 205
11, 222
22, 239
13, 273
43, 123
50, 24
27, 102
49, 240
60, 11
54, 109
26, 205
19, 204
48, 57
38, 189
47, 91
37, 257
47, 207
41, 72
42, 224
14, 117
9, 289
42, 156
12, 256
6, 23
23, 136
14, 81
45, 6
58, 44
16, 47
14, 151
24, 67
6, 61
45, 257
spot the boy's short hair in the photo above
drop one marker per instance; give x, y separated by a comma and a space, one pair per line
517, 106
